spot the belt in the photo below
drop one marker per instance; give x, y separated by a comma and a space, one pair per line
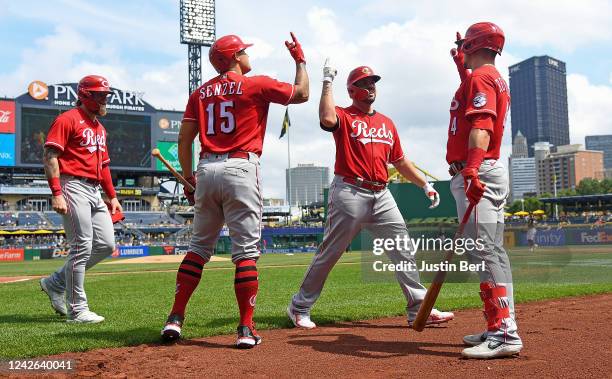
233, 154
360, 182
455, 168
86, 180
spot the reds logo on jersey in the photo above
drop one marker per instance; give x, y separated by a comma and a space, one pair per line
364, 134
92, 141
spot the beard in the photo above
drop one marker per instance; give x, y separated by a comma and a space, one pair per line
102, 111
370, 99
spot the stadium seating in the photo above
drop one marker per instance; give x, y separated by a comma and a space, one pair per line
31, 219
55, 219
8, 219
149, 219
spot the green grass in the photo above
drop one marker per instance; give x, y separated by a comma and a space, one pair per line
136, 304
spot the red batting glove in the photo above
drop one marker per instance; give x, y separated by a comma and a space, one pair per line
474, 189
295, 49
188, 194
457, 55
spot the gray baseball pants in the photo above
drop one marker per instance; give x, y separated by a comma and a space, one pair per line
351, 209
91, 236
487, 222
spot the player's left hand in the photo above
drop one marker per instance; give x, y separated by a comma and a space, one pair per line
115, 206
295, 49
474, 189
432, 194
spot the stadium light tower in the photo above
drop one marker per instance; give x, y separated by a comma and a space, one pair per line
197, 30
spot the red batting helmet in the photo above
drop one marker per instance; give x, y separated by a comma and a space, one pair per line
483, 35
356, 75
221, 53
89, 84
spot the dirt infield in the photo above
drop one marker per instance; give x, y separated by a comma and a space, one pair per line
563, 338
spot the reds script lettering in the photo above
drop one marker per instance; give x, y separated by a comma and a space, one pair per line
221, 89
381, 135
93, 142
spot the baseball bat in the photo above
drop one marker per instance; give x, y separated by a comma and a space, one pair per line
436, 285
157, 154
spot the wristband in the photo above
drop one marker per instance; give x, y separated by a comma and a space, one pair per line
56, 187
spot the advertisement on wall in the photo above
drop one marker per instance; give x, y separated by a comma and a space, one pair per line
7, 116
168, 150
7, 150
133, 251
600, 236
11, 255
166, 126
553, 237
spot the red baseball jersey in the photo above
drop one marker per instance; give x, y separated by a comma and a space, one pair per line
82, 143
484, 91
365, 144
231, 111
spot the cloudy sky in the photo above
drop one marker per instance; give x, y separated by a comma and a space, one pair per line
136, 45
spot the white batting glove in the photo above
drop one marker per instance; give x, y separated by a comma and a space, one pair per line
432, 194
329, 72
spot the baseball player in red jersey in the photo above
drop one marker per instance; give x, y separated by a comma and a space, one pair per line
477, 115
366, 141
229, 112
76, 163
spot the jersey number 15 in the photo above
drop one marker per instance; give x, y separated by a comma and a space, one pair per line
228, 124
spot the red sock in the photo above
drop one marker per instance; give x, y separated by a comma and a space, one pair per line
187, 279
246, 284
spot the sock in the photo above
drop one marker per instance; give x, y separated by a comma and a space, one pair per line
187, 280
246, 285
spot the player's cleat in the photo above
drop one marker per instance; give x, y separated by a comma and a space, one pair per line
301, 321
85, 317
492, 349
247, 337
436, 317
172, 330
475, 339
58, 301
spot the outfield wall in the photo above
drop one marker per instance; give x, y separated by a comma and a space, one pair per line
552, 237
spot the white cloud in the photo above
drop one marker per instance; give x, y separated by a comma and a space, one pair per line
589, 106
407, 43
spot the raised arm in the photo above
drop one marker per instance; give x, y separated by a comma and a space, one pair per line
302, 85
327, 107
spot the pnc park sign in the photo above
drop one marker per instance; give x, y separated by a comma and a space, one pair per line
65, 95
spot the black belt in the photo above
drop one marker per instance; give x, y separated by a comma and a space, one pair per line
455, 168
233, 154
360, 182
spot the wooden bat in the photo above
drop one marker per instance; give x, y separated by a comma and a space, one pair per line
157, 154
436, 285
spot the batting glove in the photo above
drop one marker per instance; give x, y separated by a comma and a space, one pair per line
457, 55
432, 194
329, 72
188, 194
295, 49
474, 189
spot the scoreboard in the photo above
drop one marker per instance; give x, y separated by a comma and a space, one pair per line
134, 127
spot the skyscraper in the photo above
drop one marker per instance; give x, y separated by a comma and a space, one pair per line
522, 170
307, 183
601, 143
539, 101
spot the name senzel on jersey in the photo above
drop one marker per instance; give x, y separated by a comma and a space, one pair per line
221, 89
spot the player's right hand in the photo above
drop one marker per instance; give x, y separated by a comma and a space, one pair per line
295, 49
188, 194
59, 204
329, 71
